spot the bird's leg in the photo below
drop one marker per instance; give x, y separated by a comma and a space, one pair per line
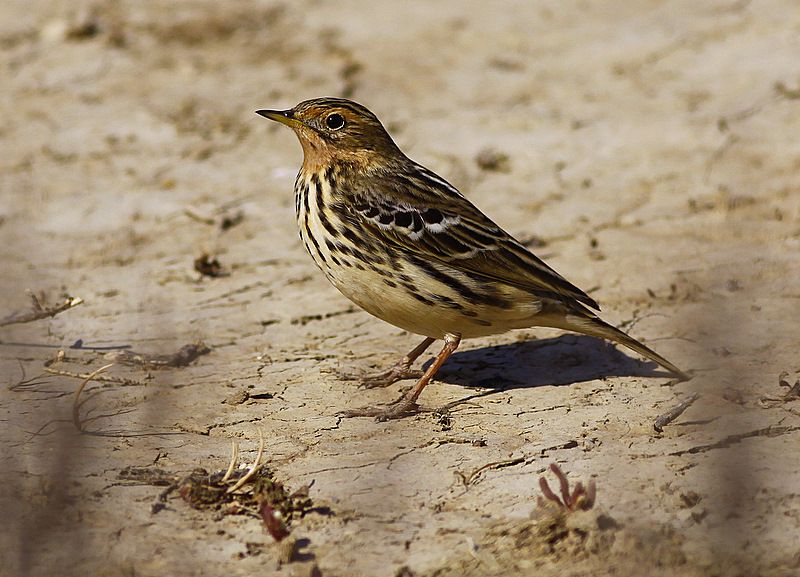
408, 403
399, 371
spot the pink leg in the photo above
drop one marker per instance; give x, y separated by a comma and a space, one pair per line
408, 403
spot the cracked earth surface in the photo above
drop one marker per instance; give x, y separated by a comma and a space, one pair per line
647, 150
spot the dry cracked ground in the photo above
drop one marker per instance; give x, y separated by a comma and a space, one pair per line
648, 150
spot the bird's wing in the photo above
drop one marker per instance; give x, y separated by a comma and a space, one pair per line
445, 226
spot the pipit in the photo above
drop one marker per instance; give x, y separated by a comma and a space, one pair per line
403, 244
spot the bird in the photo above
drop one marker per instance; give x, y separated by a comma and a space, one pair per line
406, 246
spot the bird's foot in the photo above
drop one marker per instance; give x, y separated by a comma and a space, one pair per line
399, 372
385, 378
397, 410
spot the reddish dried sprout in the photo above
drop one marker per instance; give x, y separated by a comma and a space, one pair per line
273, 521
580, 498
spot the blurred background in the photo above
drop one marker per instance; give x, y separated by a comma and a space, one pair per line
647, 150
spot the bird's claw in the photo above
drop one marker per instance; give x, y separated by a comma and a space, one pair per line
397, 410
382, 378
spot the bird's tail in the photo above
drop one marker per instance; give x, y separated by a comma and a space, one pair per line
593, 326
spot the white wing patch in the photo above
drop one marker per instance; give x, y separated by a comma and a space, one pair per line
431, 230
410, 221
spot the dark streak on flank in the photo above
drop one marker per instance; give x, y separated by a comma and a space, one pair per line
324, 220
320, 255
305, 203
392, 259
300, 191
321, 213
344, 249
350, 235
370, 259
463, 290
409, 286
486, 297
448, 302
421, 298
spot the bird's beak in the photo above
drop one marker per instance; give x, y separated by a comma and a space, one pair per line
283, 116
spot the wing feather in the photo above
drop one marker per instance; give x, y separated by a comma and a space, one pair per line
430, 218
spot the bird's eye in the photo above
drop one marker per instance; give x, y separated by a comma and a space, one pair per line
335, 121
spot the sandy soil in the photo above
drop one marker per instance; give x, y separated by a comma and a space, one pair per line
649, 150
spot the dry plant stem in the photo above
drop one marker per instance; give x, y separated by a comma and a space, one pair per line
234, 458
76, 407
255, 466
495, 465
181, 358
194, 215
580, 498
562, 483
548, 492
98, 378
675, 412
591, 495
37, 311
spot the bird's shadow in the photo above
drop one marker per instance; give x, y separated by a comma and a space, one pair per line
562, 360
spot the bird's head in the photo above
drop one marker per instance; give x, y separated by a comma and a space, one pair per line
335, 129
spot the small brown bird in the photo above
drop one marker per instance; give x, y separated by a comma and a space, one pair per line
407, 247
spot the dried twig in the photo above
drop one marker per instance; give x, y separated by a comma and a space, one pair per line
225, 218
97, 378
195, 215
579, 499
147, 476
76, 405
234, 458
25, 383
667, 417
524, 459
182, 358
469, 479
38, 311
254, 468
